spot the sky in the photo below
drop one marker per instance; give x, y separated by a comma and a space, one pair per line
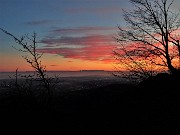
72, 34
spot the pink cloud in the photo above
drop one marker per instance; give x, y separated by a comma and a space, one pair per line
84, 40
93, 47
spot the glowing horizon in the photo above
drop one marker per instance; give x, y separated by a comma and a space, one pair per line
73, 35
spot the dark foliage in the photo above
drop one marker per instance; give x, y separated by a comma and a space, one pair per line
147, 108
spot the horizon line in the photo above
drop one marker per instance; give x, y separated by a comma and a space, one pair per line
57, 71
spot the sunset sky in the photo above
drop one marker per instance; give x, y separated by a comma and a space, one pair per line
73, 34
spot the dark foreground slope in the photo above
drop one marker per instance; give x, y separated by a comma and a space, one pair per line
146, 109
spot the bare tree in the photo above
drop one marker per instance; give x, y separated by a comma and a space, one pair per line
32, 57
150, 40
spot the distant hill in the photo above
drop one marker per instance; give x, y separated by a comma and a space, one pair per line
92, 70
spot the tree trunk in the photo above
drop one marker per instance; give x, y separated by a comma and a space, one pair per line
172, 69
179, 53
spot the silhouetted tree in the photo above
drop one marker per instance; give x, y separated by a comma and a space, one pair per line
33, 58
150, 41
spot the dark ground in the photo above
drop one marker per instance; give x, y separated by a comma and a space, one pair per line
149, 108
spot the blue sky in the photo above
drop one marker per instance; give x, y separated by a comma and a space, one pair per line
23, 16
72, 32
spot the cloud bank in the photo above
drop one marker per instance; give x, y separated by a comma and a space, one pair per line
89, 47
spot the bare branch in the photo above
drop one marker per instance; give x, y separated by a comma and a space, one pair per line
150, 25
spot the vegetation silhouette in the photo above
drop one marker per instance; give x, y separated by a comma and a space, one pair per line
39, 81
150, 42
147, 108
